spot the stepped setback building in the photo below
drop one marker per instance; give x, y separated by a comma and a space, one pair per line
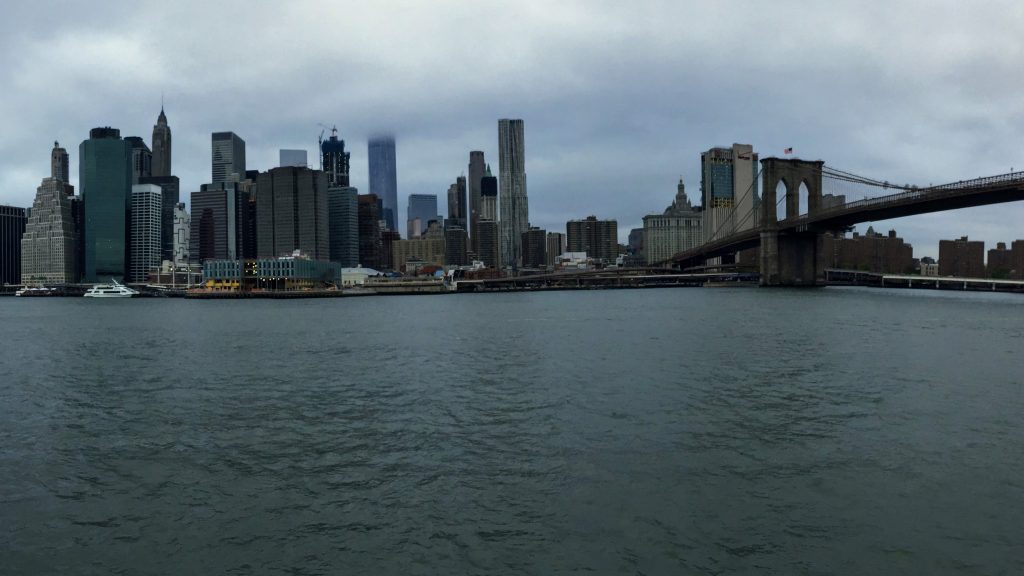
49, 246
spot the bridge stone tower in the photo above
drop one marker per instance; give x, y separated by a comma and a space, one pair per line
791, 252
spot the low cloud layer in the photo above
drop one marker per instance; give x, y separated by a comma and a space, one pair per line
618, 99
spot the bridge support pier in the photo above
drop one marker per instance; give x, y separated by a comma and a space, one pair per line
792, 259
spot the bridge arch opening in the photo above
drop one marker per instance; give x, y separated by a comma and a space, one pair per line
780, 200
803, 199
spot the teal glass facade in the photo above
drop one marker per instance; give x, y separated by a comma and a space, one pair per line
105, 178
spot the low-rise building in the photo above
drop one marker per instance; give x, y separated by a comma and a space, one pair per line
288, 273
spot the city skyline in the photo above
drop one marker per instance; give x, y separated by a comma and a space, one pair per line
611, 129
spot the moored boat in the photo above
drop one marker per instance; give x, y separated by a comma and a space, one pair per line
113, 290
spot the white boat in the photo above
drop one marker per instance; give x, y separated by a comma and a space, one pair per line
35, 291
114, 290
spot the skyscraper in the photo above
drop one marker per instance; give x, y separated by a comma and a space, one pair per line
335, 160
227, 157
147, 206
161, 146
369, 230
142, 159
105, 177
515, 212
422, 207
488, 196
219, 227
12, 228
292, 213
457, 203
383, 177
729, 190
343, 208
182, 234
476, 174
49, 246
59, 164
293, 158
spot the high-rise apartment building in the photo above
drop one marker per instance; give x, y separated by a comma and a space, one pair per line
49, 245
535, 248
515, 211
292, 213
336, 161
678, 228
962, 258
161, 146
146, 241
12, 228
555, 247
488, 246
729, 190
598, 238
105, 177
227, 156
871, 252
476, 174
383, 176
182, 235
455, 246
343, 208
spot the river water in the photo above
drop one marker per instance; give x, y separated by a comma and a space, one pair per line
670, 431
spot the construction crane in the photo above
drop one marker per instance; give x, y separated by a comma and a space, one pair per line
320, 141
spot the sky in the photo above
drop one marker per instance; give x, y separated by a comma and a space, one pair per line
618, 98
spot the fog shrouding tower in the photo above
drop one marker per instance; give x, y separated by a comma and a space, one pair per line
515, 212
476, 173
227, 157
383, 176
161, 146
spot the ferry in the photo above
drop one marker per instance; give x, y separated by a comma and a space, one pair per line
35, 291
114, 290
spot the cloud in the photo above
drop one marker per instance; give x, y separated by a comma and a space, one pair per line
618, 100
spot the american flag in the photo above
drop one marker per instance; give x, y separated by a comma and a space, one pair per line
787, 151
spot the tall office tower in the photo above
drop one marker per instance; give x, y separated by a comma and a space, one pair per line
292, 158
142, 159
387, 248
555, 247
227, 157
678, 228
488, 246
219, 227
422, 207
729, 190
457, 203
598, 238
455, 245
105, 177
292, 213
476, 174
49, 246
369, 230
383, 176
515, 210
59, 164
182, 234
535, 248
170, 193
161, 146
12, 228
147, 207
335, 160
343, 209
488, 196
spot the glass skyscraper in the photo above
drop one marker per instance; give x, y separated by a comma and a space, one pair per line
227, 157
383, 176
105, 177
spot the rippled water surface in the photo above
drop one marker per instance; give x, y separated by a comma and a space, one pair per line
685, 431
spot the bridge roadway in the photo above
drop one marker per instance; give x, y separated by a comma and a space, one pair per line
963, 194
603, 278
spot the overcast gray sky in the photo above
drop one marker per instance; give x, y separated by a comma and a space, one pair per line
618, 98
